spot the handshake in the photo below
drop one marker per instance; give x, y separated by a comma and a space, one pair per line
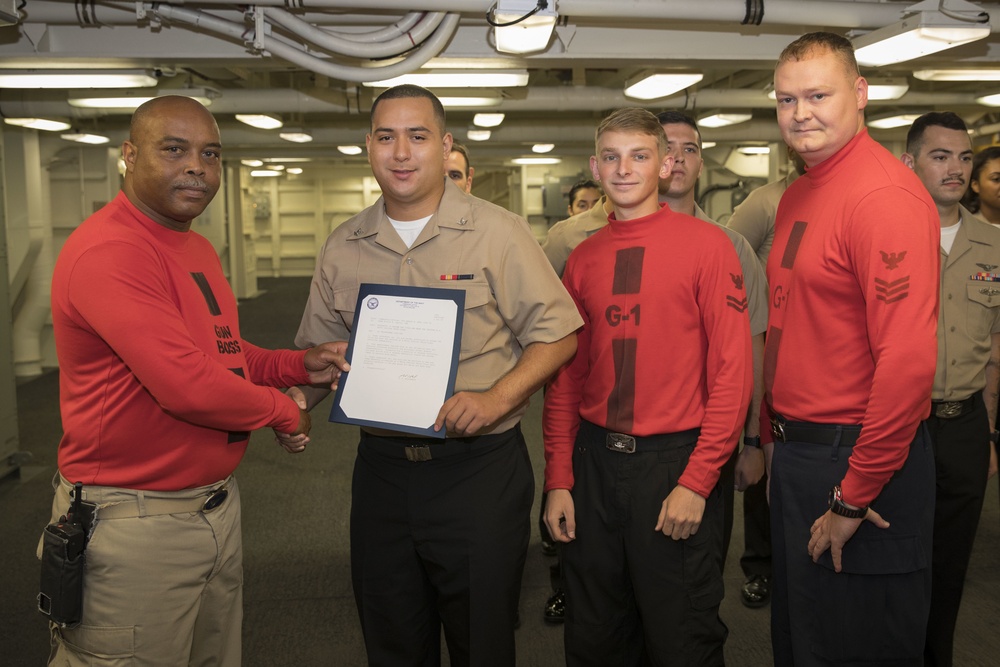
324, 363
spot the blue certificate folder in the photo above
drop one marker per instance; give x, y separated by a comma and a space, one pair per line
368, 296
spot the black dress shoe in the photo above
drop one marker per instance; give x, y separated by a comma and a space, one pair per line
555, 608
756, 591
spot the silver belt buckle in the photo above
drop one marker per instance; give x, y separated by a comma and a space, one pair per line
215, 499
778, 429
948, 409
620, 442
417, 453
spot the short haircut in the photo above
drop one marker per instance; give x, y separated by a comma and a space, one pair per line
982, 158
675, 118
806, 46
633, 119
408, 90
459, 148
581, 185
945, 119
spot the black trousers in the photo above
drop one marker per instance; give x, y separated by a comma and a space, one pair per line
440, 542
873, 612
961, 458
635, 596
756, 558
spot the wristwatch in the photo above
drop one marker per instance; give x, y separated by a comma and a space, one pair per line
994, 435
751, 441
838, 507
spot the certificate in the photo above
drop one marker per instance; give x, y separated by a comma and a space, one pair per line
404, 357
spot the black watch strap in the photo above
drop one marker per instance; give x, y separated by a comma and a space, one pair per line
751, 441
838, 507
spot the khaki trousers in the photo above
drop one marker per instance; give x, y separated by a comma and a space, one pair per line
159, 589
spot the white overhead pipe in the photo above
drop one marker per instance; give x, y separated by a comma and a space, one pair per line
340, 43
827, 13
295, 55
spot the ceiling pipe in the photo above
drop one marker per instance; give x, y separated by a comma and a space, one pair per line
828, 13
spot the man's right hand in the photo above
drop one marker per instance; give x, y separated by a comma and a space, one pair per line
296, 442
560, 515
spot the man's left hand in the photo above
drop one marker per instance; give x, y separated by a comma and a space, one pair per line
832, 531
469, 412
326, 362
681, 513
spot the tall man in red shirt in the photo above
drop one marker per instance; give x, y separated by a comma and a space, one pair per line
638, 425
848, 367
158, 392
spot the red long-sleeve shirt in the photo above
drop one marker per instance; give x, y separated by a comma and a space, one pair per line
665, 344
852, 330
157, 389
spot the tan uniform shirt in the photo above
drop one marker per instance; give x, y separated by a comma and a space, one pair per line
970, 310
754, 218
566, 235
512, 300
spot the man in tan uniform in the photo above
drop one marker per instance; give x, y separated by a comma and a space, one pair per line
439, 528
964, 398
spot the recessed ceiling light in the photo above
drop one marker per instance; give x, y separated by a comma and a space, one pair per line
488, 119
265, 173
754, 150
535, 160
85, 138
38, 124
651, 85
296, 136
69, 79
478, 135
252, 163
542, 148
294, 170
260, 121
723, 119
707, 144
454, 78
350, 150
889, 122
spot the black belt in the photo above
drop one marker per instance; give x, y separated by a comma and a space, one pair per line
952, 409
626, 443
819, 434
417, 449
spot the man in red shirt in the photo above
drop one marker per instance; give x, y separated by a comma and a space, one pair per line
158, 393
848, 367
638, 425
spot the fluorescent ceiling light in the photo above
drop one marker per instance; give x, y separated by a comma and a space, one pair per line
707, 144
469, 102
455, 78
84, 138
542, 148
488, 119
294, 170
651, 85
989, 100
68, 79
723, 119
276, 167
261, 121
478, 135
252, 163
296, 136
265, 173
535, 160
918, 35
957, 74
128, 99
350, 150
754, 150
889, 122
38, 124
523, 26
886, 88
